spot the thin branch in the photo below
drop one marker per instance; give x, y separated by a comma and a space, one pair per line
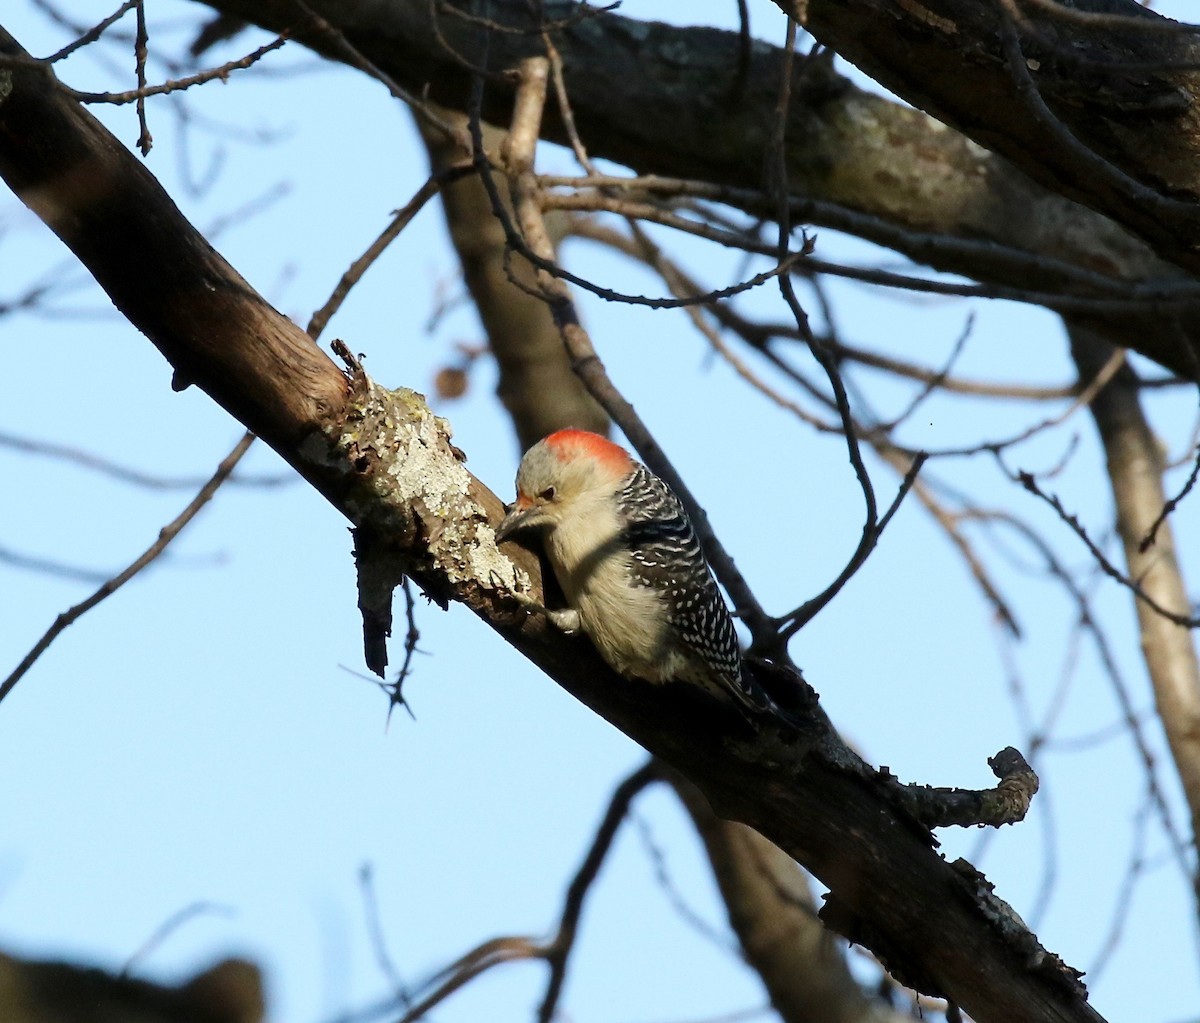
169, 926
366, 880
558, 949
1083, 397
93, 33
1070, 300
757, 335
124, 474
140, 44
1148, 540
511, 948
873, 526
139, 94
400, 220
108, 588
1067, 279
348, 53
1029, 482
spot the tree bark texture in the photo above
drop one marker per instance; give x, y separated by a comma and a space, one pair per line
948, 57
384, 460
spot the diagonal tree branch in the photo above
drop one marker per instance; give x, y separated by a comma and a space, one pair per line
387, 463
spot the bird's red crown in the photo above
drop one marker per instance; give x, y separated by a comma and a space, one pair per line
568, 444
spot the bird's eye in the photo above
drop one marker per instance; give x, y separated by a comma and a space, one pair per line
547, 494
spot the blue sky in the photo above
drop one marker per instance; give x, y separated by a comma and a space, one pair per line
198, 737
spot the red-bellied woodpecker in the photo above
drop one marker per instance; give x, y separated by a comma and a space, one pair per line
629, 564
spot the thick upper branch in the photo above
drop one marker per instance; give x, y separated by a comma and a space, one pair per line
668, 100
1107, 84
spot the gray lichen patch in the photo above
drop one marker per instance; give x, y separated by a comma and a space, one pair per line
415, 488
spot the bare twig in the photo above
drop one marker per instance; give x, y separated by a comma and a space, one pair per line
108, 588
511, 948
141, 41
366, 880
169, 926
139, 94
400, 220
557, 951
125, 474
873, 525
1029, 482
1170, 505
348, 53
95, 32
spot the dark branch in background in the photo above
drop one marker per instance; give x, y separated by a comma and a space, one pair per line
1061, 139
1062, 129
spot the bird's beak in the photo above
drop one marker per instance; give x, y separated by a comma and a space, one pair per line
522, 515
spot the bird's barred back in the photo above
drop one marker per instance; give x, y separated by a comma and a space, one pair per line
667, 558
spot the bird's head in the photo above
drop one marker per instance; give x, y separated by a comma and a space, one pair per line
562, 474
